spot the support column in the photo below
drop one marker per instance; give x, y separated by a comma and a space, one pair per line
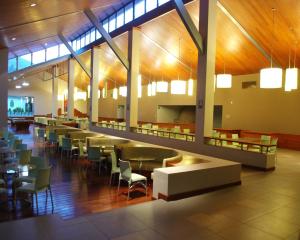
54, 91
71, 84
134, 39
94, 83
206, 70
4, 86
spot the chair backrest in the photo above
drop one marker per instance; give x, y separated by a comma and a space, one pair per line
273, 149
125, 170
38, 162
25, 156
94, 153
66, 143
81, 148
186, 130
21, 146
43, 178
60, 138
41, 132
114, 166
223, 135
236, 137
52, 137
265, 138
16, 143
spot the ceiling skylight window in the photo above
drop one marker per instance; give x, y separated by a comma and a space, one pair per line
112, 23
139, 8
12, 65
87, 38
82, 41
105, 25
120, 18
38, 57
51, 53
74, 45
150, 5
98, 35
161, 2
24, 61
63, 50
93, 35
78, 44
129, 13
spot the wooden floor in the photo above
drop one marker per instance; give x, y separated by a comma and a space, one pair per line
73, 194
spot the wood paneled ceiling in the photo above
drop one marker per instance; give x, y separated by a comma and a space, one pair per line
34, 26
234, 50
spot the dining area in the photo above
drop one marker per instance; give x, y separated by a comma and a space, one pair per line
22, 176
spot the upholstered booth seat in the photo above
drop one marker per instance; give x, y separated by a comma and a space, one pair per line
82, 135
104, 141
148, 158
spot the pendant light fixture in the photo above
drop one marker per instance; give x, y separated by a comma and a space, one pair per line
224, 80
271, 77
178, 87
162, 86
291, 75
190, 84
115, 92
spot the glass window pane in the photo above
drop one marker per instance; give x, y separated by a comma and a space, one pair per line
63, 50
139, 8
105, 25
120, 18
87, 38
52, 52
161, 2
150, 5
38, 57
112, 23
98, 35
82, 41
78, 44
74, 46
24, 61
93, 35
129, 13
12, 65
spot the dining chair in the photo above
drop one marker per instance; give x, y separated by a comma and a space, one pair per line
131, 178
52, 139
68, 147
21, 146
42, 183
94, 155
24, 157
38, 163
41, 135
36, 133
114, 167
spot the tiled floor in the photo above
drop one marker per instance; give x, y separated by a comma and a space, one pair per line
266, 206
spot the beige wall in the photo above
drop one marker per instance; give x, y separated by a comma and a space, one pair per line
271, 110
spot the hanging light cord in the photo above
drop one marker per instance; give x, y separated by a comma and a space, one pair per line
273, 35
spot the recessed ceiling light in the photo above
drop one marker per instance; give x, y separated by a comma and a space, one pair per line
32, 4
46, 44
13, 39
18, 86
25, 84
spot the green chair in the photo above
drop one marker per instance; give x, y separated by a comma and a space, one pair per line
131, 178
52, 139
38, 163
16, 142
42, 183
94, 155
68, 147
223, 143
41, 134
82, 151
24, 157
21, 146
114, 167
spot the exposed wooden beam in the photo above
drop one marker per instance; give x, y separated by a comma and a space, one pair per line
94, 20
189, 24
69, 47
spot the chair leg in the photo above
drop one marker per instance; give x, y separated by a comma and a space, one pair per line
36, 203
128, 191
46, 197
51, 197
119, 185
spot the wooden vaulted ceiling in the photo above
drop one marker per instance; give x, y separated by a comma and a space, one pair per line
234, 50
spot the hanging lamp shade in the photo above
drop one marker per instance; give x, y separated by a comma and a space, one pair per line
190, 87
149, 90
153, 88
291, 79
271, 78
123, 91
178, 87
224, 81
162, 87
115, 93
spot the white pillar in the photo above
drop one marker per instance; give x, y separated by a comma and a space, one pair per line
206, 70
94, 83
4, 86
54, 91
71, 82
134, 39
